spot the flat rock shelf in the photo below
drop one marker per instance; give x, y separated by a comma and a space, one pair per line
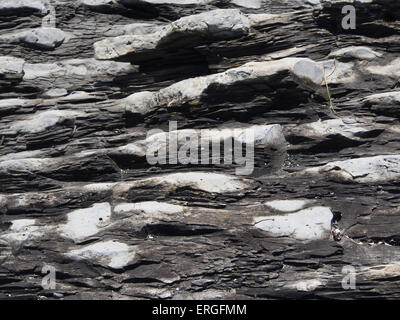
82, 83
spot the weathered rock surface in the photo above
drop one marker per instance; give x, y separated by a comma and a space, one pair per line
187, 31
40, 38
89, 88
21, 6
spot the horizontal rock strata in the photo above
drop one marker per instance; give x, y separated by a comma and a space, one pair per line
90, 88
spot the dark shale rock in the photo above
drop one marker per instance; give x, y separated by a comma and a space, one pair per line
82, 83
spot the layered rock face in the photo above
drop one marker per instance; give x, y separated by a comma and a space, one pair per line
90, 88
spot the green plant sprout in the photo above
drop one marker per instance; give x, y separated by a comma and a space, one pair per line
331, 107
